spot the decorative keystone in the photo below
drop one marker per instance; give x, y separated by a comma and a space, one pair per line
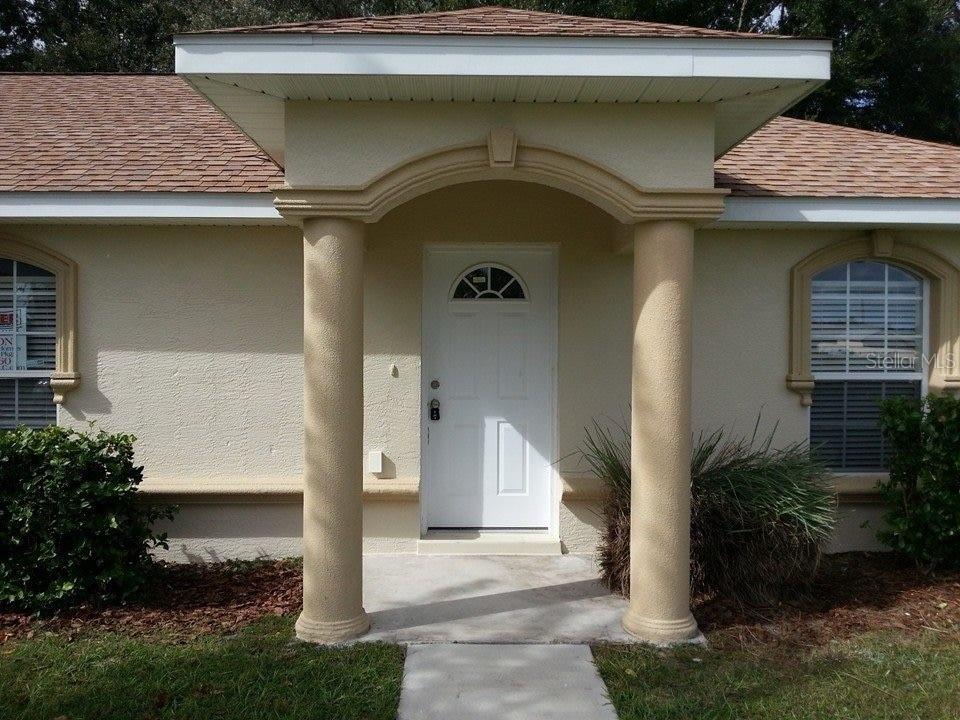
502, 148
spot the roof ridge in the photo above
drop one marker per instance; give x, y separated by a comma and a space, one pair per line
354, 24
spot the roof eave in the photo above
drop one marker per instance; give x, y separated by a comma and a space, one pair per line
498, 55
211, 208
246, 76
778, 212
139, 208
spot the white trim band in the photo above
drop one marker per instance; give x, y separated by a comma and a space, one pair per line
140, 207
499, 56
191, 208
865, 212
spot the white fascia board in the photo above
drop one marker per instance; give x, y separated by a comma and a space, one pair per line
426, 55
758, 212
140, 207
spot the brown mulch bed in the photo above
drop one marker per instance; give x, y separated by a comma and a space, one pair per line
183, 602
854, 593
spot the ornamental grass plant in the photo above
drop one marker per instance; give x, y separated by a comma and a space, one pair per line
760, 514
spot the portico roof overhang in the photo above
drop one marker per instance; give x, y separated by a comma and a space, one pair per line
748, 80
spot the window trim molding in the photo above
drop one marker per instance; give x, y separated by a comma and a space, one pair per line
942, 276
65, 376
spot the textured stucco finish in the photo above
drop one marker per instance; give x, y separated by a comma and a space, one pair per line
191, 338
591, 279
659, 146
741, 323
333, 431
659, 610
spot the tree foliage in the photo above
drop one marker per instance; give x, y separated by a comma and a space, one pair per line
896, 62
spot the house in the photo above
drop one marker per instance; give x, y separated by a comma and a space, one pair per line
388, 269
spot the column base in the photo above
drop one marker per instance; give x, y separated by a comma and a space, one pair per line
330, 633
663, 633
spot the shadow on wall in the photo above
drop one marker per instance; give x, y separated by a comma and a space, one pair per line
594, 301
210, 532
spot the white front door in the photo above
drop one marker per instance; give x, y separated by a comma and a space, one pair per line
489, 356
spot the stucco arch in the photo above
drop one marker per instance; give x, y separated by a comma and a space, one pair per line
502, 157
65, 376
944, 279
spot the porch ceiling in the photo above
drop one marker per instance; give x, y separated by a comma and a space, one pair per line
250, 76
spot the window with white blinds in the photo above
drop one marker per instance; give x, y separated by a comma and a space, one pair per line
868, 339
28, 335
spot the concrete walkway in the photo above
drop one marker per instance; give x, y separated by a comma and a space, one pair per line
419, 599
502, 682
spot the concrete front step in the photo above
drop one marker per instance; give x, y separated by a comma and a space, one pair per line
493, 542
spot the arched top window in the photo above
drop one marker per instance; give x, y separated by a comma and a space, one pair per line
38, 332
28, 337
870, 318
868, 342
866, 316
908, 263
488, 281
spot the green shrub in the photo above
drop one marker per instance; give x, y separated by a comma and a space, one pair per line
71, 529
759, 515
922, 493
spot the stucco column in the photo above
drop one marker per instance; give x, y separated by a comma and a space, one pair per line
659, 609
333, 431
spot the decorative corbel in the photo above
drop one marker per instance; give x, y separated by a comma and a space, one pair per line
63, 382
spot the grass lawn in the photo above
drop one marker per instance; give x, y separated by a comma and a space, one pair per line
256, 673
876, 677
872, 640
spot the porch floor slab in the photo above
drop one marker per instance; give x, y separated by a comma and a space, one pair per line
413, 599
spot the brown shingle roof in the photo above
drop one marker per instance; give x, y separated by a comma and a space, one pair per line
154, 133
121, 132
493, 20
800, 158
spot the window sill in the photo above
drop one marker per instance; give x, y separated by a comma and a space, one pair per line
261, 489
858, 487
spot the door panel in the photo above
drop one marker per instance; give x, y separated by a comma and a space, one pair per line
511, 459
512, 356
489, 342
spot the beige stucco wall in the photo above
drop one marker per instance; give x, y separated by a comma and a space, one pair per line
190, 338
741, 312
348, 143
740, 329
594, 305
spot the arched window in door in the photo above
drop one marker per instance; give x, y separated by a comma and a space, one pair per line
488, 281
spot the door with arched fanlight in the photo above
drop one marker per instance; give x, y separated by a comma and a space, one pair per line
489, 357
